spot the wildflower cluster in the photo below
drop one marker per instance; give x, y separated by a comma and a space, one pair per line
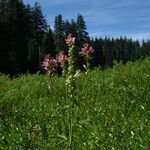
50, 64
62, 59
86, 52
70, 40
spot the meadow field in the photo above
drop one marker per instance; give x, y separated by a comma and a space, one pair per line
112, 110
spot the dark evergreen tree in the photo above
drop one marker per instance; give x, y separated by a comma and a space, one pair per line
4, 47
137, 50
145, 49
74, 29
98, 59
17, 21
48, 45
67, 26
39, 27
82, 34
107, 53
3, 37
3, 10
59, 31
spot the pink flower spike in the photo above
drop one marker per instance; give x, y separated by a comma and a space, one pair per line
62, 57
45, 68
70, 40
91, 50
86, 50
49, 63
45, 64
81, 53
54, 63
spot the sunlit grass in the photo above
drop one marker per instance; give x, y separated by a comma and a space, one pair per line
113, 110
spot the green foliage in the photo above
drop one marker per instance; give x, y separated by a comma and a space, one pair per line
113, 110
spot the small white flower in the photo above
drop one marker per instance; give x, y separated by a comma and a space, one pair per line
77, 73
142, 107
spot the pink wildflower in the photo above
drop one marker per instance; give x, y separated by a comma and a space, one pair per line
86, 50
70, 40
62, 57
54, 63
45, 64
49, 63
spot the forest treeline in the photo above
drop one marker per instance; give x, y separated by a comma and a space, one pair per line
26, 37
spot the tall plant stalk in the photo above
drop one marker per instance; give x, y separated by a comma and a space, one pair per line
71, 85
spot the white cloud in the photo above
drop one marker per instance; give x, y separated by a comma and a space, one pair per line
54, 2
140, 36
104, 17
135, 36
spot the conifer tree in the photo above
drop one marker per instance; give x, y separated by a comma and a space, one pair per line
67, 26
48, 46
81, 29
3, 37
18, 35
74, 29
59, 31
39, 27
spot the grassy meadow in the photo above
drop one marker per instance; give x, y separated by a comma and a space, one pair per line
112, 110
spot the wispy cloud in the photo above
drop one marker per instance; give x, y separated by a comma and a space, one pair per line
103, 18
106, 14
135, 36
115, 5
53, 2
140, 36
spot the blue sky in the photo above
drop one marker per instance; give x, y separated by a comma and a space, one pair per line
112, 18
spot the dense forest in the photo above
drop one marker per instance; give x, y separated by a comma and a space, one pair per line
26, 37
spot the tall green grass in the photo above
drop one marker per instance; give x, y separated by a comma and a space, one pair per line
113, 110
